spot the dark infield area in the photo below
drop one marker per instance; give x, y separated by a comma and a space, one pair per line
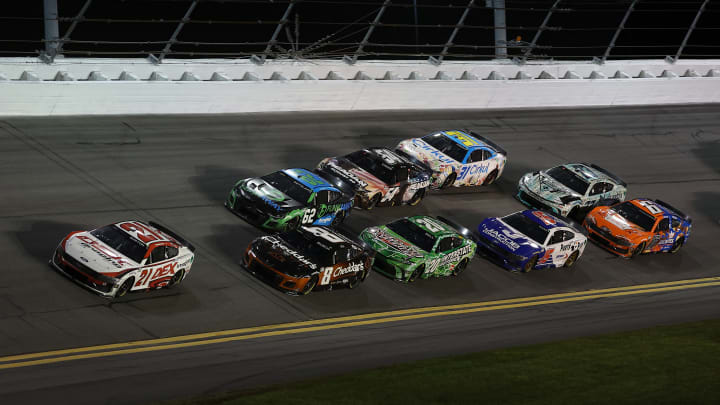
63, 174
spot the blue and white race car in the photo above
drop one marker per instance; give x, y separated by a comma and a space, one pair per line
530, 239
456, 158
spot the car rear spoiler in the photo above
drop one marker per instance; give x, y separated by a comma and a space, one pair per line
177, 237
415, 161
607, 173
673, 209
490, 143
459, 228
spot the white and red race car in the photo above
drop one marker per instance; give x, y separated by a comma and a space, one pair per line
124, 256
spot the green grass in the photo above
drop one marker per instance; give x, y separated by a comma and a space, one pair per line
663, 365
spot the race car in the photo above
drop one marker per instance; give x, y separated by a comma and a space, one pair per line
287, 199
570, 190
123, 257
638, 226
419, 247
530, 239
378, 176
299, 260
457, 158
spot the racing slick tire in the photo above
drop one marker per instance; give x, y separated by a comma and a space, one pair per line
125, 287
354, 281
339, 218
417, 197
364, 275
177, 278
460, 267
374, 201
419, 270
572, 259
490, 178
530, 264
449, 180
638, 250
310, 285
677, 245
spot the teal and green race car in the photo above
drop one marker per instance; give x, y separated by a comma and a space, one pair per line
419, 247
287, 199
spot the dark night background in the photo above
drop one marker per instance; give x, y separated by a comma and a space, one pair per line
577, 30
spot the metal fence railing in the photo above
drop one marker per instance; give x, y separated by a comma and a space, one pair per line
522, 30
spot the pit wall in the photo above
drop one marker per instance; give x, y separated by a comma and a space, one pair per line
131, 86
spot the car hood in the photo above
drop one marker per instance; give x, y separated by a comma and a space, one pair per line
360, 178
616, 224
502, 236
278, 254
261, 191
388, 244
96, 255
549, 188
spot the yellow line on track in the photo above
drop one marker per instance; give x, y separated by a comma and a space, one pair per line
344, 322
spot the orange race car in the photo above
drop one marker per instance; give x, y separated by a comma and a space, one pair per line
638, 226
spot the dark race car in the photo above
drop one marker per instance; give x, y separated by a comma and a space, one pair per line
379, 177
297, 261
288, 198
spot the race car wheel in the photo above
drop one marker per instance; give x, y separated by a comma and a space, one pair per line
490, 178
310, 285
292, 224
417, 197
364, 274
419, 270
353, 282
177, 278
639, 249
449, 180
530, 264
572, 259
374, 201
677, 245
460, 267
339, 218
125, 287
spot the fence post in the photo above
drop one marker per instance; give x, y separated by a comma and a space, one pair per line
617, 31
352, 59
449, 43
692, 27
52, 31
179, 28
540, 30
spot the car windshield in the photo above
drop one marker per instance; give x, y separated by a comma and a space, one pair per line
446, 146
527, 226
635, 215
320, 253
413, 234
566, 177
291, 187
373, 165
121, 242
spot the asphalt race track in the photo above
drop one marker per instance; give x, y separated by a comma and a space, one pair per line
63, 174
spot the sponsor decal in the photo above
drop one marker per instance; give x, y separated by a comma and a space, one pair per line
153, 273
328, 273
457, 255
419, 185
347, 174
270, 202
106, 253
277, 244
471, 170
502, 238
397, 244
434, 153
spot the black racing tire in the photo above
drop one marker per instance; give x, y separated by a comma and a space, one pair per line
638, 250
353, 282
677, 245
364, 274
292, 224
572, 259
125, 287
490, 178
449, 180
339, 218
310, 285
460, 267
417, 197
530, 264
374, 201
419, 270
177, 278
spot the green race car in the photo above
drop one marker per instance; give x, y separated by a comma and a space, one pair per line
419, 247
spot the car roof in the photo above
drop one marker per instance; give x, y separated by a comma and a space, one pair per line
591, 173
445, 228
310, 180
545, 219
400, 160
139, 230
664, 212
346, 242
478, 144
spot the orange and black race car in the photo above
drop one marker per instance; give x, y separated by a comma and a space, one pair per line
638, 226
297, 261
